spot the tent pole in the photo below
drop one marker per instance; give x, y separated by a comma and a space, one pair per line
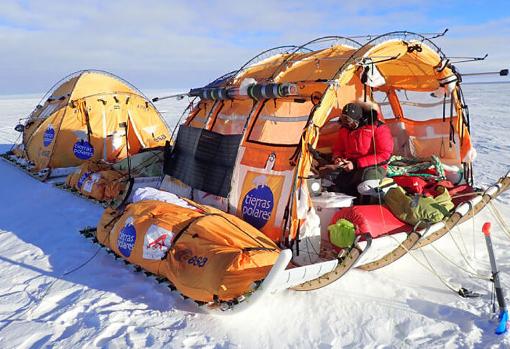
503, 312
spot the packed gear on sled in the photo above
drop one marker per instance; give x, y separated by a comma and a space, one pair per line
417, 209
89, 115
250, 138
115, 183
207, 254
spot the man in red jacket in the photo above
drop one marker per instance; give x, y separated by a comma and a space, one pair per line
363, 147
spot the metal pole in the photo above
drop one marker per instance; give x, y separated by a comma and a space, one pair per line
503, 312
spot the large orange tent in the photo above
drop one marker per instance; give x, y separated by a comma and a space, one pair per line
271, 131
90, 115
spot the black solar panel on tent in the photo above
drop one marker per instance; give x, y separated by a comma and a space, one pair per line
203, 159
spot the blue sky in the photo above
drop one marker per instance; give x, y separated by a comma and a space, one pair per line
179, 44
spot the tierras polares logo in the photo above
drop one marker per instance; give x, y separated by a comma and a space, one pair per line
82, 149
127, 238
258, 203
48, 135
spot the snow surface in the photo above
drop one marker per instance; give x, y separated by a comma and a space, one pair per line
44, 303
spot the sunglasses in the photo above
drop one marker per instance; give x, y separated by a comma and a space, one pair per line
349, 122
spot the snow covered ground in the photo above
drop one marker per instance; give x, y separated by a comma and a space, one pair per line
45, 301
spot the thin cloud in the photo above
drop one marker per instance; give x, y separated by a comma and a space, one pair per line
162, 44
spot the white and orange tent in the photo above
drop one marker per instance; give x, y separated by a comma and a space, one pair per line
280, 107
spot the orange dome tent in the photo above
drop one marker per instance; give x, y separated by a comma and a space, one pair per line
90, 115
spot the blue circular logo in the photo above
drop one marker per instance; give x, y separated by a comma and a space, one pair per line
48, 136
83, 150
126, 240
257, 206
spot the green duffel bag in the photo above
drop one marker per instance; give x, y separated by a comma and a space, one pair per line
418, 209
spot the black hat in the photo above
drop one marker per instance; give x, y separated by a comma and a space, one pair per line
354, 111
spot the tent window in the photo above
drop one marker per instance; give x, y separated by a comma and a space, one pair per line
418, 106
381, 98
232, 117
280, 122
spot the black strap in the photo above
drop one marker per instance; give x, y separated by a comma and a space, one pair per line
444, 107
87, 120
452, 128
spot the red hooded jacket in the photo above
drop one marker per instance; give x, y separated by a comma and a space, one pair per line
358, 145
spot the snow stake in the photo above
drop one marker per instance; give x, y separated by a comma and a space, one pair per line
503, 312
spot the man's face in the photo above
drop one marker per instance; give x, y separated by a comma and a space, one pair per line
348, 122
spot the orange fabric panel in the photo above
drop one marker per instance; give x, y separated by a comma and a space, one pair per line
65, 88
103, 185
96, 179
216, 255
322, 64
264, 69
91, 83
280, 122
413, 71
40, 145
426, 138
256, 155
84, 171
199, 116
233, 116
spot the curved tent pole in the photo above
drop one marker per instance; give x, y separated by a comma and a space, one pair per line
432, 35
99, 71
399, 34
304, 46
272, 51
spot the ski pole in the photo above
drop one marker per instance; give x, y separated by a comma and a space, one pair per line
503, 312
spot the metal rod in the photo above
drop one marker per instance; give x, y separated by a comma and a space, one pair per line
500, 296
502, 72
434, 35
177, 96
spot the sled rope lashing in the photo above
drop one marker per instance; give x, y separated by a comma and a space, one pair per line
499, 218
473, 274
463, 252
460, 291
206, 214
345, 262
463, 292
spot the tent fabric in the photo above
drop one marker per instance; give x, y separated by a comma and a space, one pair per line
207, 254
81, 120
277, 134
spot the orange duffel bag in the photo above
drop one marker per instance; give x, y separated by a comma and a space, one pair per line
206, 253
